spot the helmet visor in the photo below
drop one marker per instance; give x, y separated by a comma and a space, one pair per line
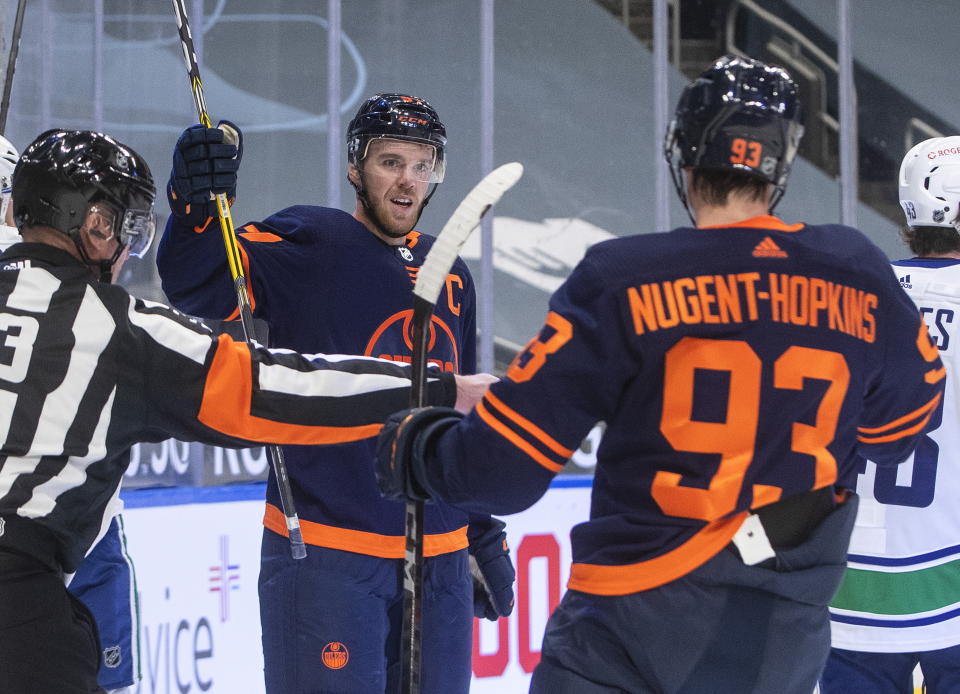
136, 231
5, 194
420, 163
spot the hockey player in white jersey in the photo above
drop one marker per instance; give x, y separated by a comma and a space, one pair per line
8, 161
899, 604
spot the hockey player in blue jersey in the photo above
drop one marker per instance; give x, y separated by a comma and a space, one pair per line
741, 366
87, 371
323, 279
899, 603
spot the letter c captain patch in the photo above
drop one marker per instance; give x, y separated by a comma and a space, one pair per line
335, 655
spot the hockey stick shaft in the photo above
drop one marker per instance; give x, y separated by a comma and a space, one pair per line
11, 65
430, 279
297, 547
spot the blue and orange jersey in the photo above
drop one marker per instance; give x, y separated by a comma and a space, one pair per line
324, 283
734, 367
86, 371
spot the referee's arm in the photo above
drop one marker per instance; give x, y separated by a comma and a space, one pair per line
213, 389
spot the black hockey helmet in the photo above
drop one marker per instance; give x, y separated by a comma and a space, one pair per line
738, 114
62, 173
399, 117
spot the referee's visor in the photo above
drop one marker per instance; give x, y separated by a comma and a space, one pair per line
136, 231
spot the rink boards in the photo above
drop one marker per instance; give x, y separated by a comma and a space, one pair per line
196, 551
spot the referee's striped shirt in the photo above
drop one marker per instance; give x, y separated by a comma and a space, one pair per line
86, 371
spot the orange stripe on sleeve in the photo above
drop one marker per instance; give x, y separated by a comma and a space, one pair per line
362, 542
930, 405
258, 236
935, 375
226, 404
529, 426
516, 440
630, 578
899, 435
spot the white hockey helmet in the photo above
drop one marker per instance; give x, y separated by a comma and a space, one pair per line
930, 183
8, 161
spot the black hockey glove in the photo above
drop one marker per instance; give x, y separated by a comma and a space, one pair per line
493, 573
404, 442
205, 160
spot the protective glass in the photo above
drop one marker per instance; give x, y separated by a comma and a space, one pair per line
426, 169
5, 194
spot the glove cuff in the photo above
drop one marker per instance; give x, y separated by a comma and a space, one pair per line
404, 445
194, 214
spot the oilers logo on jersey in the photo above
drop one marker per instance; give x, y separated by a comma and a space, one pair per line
399, 326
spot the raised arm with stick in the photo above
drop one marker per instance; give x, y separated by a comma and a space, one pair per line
297, 547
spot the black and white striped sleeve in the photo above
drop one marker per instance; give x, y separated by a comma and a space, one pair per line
222, 391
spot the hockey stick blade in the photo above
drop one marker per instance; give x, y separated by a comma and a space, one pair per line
430, 278
462, 222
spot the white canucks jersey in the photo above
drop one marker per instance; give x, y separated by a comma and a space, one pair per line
901, 590
8, 237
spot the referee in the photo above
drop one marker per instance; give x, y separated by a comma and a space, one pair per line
86, 371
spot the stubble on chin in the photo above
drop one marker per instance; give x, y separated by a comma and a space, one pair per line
394, 228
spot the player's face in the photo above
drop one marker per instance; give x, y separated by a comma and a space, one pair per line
396, 177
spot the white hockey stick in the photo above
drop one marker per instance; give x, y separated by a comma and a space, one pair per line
430, 279
462, 222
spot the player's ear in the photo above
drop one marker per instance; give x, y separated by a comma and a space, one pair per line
353, 175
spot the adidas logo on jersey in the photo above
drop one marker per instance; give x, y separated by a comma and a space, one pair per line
905, 282
768, 248
16, 265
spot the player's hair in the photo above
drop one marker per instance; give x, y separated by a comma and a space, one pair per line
714, 186
928, 241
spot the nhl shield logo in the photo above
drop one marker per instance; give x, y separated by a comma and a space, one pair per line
111, 656
1, 527
335, 655
405, 253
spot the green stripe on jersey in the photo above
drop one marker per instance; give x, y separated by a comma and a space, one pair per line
900, 593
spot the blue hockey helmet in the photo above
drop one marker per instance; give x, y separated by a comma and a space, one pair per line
398, 117
739, 114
